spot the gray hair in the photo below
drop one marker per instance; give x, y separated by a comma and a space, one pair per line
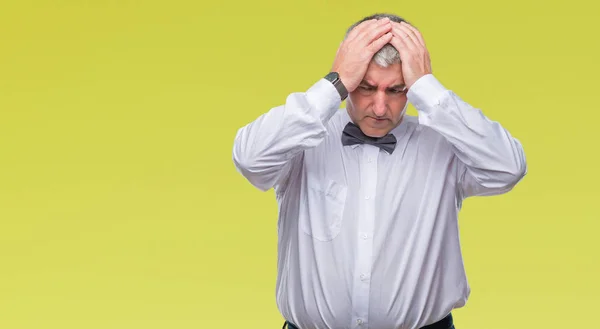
387, 55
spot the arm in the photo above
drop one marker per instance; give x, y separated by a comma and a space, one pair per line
493, 161
264, 149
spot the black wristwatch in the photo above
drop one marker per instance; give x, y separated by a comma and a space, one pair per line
334, 78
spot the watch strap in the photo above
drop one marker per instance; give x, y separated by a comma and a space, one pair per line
334, 78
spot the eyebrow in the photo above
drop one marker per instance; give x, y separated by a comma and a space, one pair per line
398, 86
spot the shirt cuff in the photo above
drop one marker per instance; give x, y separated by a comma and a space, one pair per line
426, 93
324, 98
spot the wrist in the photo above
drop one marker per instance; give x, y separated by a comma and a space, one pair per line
334, 78
426, 93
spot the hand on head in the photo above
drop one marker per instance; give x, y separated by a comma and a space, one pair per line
367, 38
357, 50
413, 52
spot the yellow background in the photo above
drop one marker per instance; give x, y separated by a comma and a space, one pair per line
119, 203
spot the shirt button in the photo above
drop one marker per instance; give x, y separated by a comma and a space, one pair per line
364, 236
370, 160
359, 321
363, 277
367, 197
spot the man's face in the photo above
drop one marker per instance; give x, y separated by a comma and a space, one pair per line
377, 105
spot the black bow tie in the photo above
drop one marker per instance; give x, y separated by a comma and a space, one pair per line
353, 135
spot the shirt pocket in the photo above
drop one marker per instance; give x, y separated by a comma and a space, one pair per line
322, 213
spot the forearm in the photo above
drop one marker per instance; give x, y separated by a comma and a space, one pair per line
263, 148
492, 157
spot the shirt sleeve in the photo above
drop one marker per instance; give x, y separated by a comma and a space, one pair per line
264, 149
491, 160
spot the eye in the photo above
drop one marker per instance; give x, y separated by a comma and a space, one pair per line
366, 90
398, 90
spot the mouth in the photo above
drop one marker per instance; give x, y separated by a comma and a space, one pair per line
377, 120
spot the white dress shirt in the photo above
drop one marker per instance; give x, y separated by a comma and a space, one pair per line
368, 239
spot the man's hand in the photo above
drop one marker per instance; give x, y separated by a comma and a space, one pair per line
413, 53
357, 50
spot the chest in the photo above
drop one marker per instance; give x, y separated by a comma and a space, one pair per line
418, 163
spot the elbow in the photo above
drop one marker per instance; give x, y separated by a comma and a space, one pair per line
521, 171
514, 167
519, 167
514, 173
241, 160
248, 167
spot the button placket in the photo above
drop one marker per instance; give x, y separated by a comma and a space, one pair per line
366, 222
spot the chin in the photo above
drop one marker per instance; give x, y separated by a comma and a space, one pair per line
376, 133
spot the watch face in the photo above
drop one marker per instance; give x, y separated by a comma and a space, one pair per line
332, 76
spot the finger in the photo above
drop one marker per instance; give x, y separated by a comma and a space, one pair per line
379, 43
400, 46
376, 33
372, 31
409, 35
360, 28
405, 37
406, 48
416, 33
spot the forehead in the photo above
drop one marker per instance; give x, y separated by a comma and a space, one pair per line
384, 76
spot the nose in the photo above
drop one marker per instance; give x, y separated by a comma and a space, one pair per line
379, 104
